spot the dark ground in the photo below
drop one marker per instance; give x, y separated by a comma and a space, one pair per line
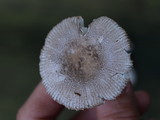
24, 25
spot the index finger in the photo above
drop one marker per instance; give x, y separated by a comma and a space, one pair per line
39, 106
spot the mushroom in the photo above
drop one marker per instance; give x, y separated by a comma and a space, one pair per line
83, 67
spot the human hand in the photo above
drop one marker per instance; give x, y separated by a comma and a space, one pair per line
128, 106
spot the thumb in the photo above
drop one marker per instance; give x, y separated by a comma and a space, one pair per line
123, 107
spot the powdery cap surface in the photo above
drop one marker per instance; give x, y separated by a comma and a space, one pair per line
82, 67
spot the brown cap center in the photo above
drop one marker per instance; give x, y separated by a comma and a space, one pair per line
82, 62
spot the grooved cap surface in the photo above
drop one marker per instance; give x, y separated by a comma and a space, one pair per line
82, 67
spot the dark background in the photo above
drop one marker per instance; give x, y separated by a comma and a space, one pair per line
24, 25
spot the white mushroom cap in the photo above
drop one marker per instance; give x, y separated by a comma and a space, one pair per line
82, 67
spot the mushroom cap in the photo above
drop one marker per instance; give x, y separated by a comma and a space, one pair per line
82, 67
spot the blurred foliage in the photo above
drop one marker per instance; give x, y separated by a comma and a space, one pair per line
24, 25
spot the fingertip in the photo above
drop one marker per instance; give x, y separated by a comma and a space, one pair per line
143, 100
124, 106
39, 105
89, 114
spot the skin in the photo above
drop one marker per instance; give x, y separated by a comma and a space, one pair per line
129, 105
